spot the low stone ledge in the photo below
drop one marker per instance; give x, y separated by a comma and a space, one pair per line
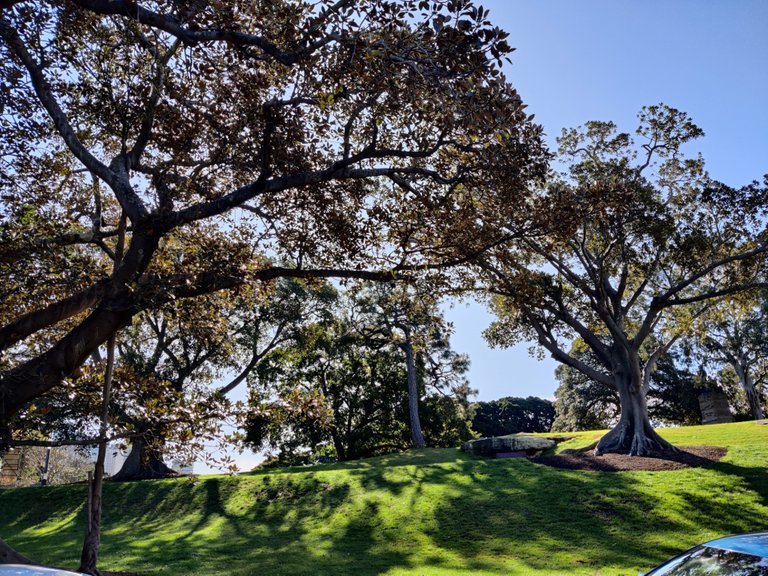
512, 443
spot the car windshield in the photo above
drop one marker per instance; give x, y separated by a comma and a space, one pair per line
706, 561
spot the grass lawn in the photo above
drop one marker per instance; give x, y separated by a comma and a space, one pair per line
431, 512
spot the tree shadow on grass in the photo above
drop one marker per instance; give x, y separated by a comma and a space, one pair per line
440, 509
273, 533
593, 518
754, 478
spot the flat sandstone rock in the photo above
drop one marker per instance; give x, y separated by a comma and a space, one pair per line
510, 443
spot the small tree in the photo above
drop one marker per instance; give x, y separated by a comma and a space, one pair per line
736, 334
408, 318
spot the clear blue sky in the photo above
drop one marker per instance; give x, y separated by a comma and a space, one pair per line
602, 60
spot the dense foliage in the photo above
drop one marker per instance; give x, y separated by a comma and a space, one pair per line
640, 244
164, 150
512, 415
340, 390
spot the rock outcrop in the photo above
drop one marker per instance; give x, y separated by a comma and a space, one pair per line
513, 444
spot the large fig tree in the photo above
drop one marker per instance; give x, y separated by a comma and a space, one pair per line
363, 138
639, 242
356, 139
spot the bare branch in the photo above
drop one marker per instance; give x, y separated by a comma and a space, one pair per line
149, 115
169, 24
69, 441
735, 289
665, 298
118, 182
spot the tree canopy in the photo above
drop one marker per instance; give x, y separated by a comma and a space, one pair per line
640, 242
512, 415
159, 151
342, 387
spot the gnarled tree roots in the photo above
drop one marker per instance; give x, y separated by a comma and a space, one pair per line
635, 442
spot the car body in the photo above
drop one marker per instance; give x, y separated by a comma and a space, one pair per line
27, 570
740, 555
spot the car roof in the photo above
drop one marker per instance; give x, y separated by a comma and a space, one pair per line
755, 543
28, 570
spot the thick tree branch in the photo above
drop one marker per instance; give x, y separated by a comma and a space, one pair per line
665, 298
562, 268
169, 24
43, 91
560, 355
130, 202
249, 191
38, 375
735, 289
255, 358
65, 239
50, 315
650, 364
560, 311
70, 441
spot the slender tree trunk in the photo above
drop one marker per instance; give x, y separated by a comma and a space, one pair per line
144, 462
413, 394
634, 434
755, 407
92, 542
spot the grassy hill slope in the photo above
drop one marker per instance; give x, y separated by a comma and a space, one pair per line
432, 512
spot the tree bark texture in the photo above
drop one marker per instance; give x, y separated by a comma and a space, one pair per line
413, 395
144, 462
634, 433
753, 398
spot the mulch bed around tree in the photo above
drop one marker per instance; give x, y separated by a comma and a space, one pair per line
585, 459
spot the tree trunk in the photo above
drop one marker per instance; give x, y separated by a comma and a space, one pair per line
92, 542
116, 310
754, 400
9, 556
144, 462
755, 407
413, 395
338, 444
90, 554
634, 434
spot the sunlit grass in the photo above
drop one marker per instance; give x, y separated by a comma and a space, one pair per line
432, 512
